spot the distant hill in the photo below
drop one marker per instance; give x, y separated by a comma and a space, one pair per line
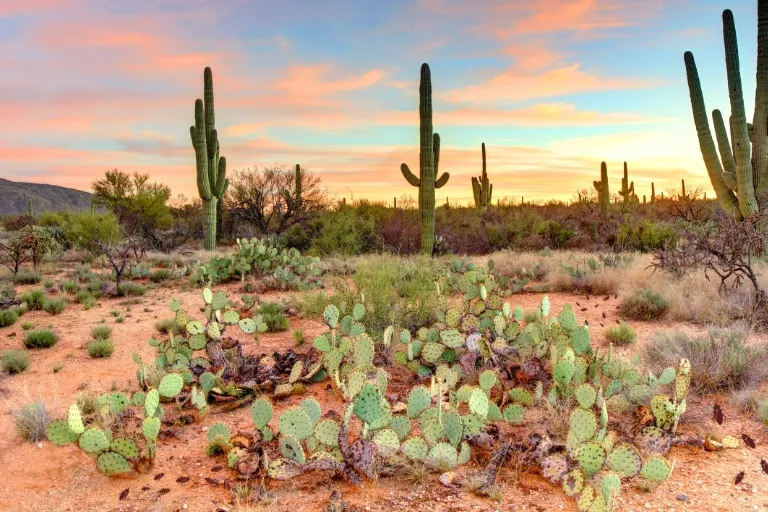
45, 198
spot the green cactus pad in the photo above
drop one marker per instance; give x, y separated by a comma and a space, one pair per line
170, 385
401, 425
291, 449
267, 433
585, 394
219, 301
494, 413
624, 460
431, 427
487, 379
610, 485
111, 463
730, 442
452, 338
591, 457
358, 312
443, 456
213, 331
261, 412
583, 424
431, 352
554, 467
580, 341
514, 414
521, 396
563, 371
418, 400
453, 427
639, 393
368, 405
195, 328
387, 442
151, 402
573, 483
415, 448
327, 432
125, 447
465, 452
295, 422
59, 433
75, 420
150, 427
312, 408
93, 440
364, 352
667, 377
473, 424
586, 498
453, 317
247, 325
599, 504
478, 403
331, 315
656, 469
219, 430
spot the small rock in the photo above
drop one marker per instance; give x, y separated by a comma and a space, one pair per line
39, 445
682, 497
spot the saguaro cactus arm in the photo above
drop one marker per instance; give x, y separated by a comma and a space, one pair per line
201, 152
726, 155
442, 180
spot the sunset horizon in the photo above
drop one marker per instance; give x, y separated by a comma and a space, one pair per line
552, 90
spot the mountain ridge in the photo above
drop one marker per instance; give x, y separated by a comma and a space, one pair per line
45, 198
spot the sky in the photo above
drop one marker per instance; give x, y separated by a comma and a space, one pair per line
552, 87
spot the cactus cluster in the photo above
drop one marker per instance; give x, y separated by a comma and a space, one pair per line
262, 257
741, 168
116, 451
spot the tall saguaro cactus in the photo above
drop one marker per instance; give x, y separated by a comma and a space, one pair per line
627, 189
482, 188
735, 174
429, 157
603, 194
653, 192
212, 183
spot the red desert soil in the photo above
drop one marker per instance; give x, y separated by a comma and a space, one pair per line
43, 477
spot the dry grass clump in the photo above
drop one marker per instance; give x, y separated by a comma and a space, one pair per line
644, 304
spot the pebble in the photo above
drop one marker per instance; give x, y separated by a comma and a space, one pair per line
682, 497
39, 445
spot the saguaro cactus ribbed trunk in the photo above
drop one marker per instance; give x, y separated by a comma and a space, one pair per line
627, 189
429, 157
653, 193
735, 174
603, 194
482, 189
211, 168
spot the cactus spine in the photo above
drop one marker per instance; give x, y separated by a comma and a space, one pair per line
429, 158
211, 168
627, 189
482, 188
603, 193
734, 175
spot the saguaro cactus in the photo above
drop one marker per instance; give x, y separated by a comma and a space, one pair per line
735, 175
429, 157
683, 196
297, 189
30, 211
653, 193
603, 193
482, 187
627, 189
211, 168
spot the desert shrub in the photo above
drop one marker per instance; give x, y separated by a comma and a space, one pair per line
95, 287
8, 317
646, 236
31, 421
14, 361
82, 296
35, 299
298, 337
27, 325
762, 410
160, 275
557, 234
129, 289
644, 304
273, 314
55, 306
83, 273
621, 334
69, 286
100, 348
719, 359
101, 332
167, 326
26, 277
312, 304
48, 283
346, 233
40, 338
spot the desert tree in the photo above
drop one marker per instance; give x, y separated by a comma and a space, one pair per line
273, 198
102, 235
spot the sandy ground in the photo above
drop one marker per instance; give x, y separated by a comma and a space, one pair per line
43, 477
